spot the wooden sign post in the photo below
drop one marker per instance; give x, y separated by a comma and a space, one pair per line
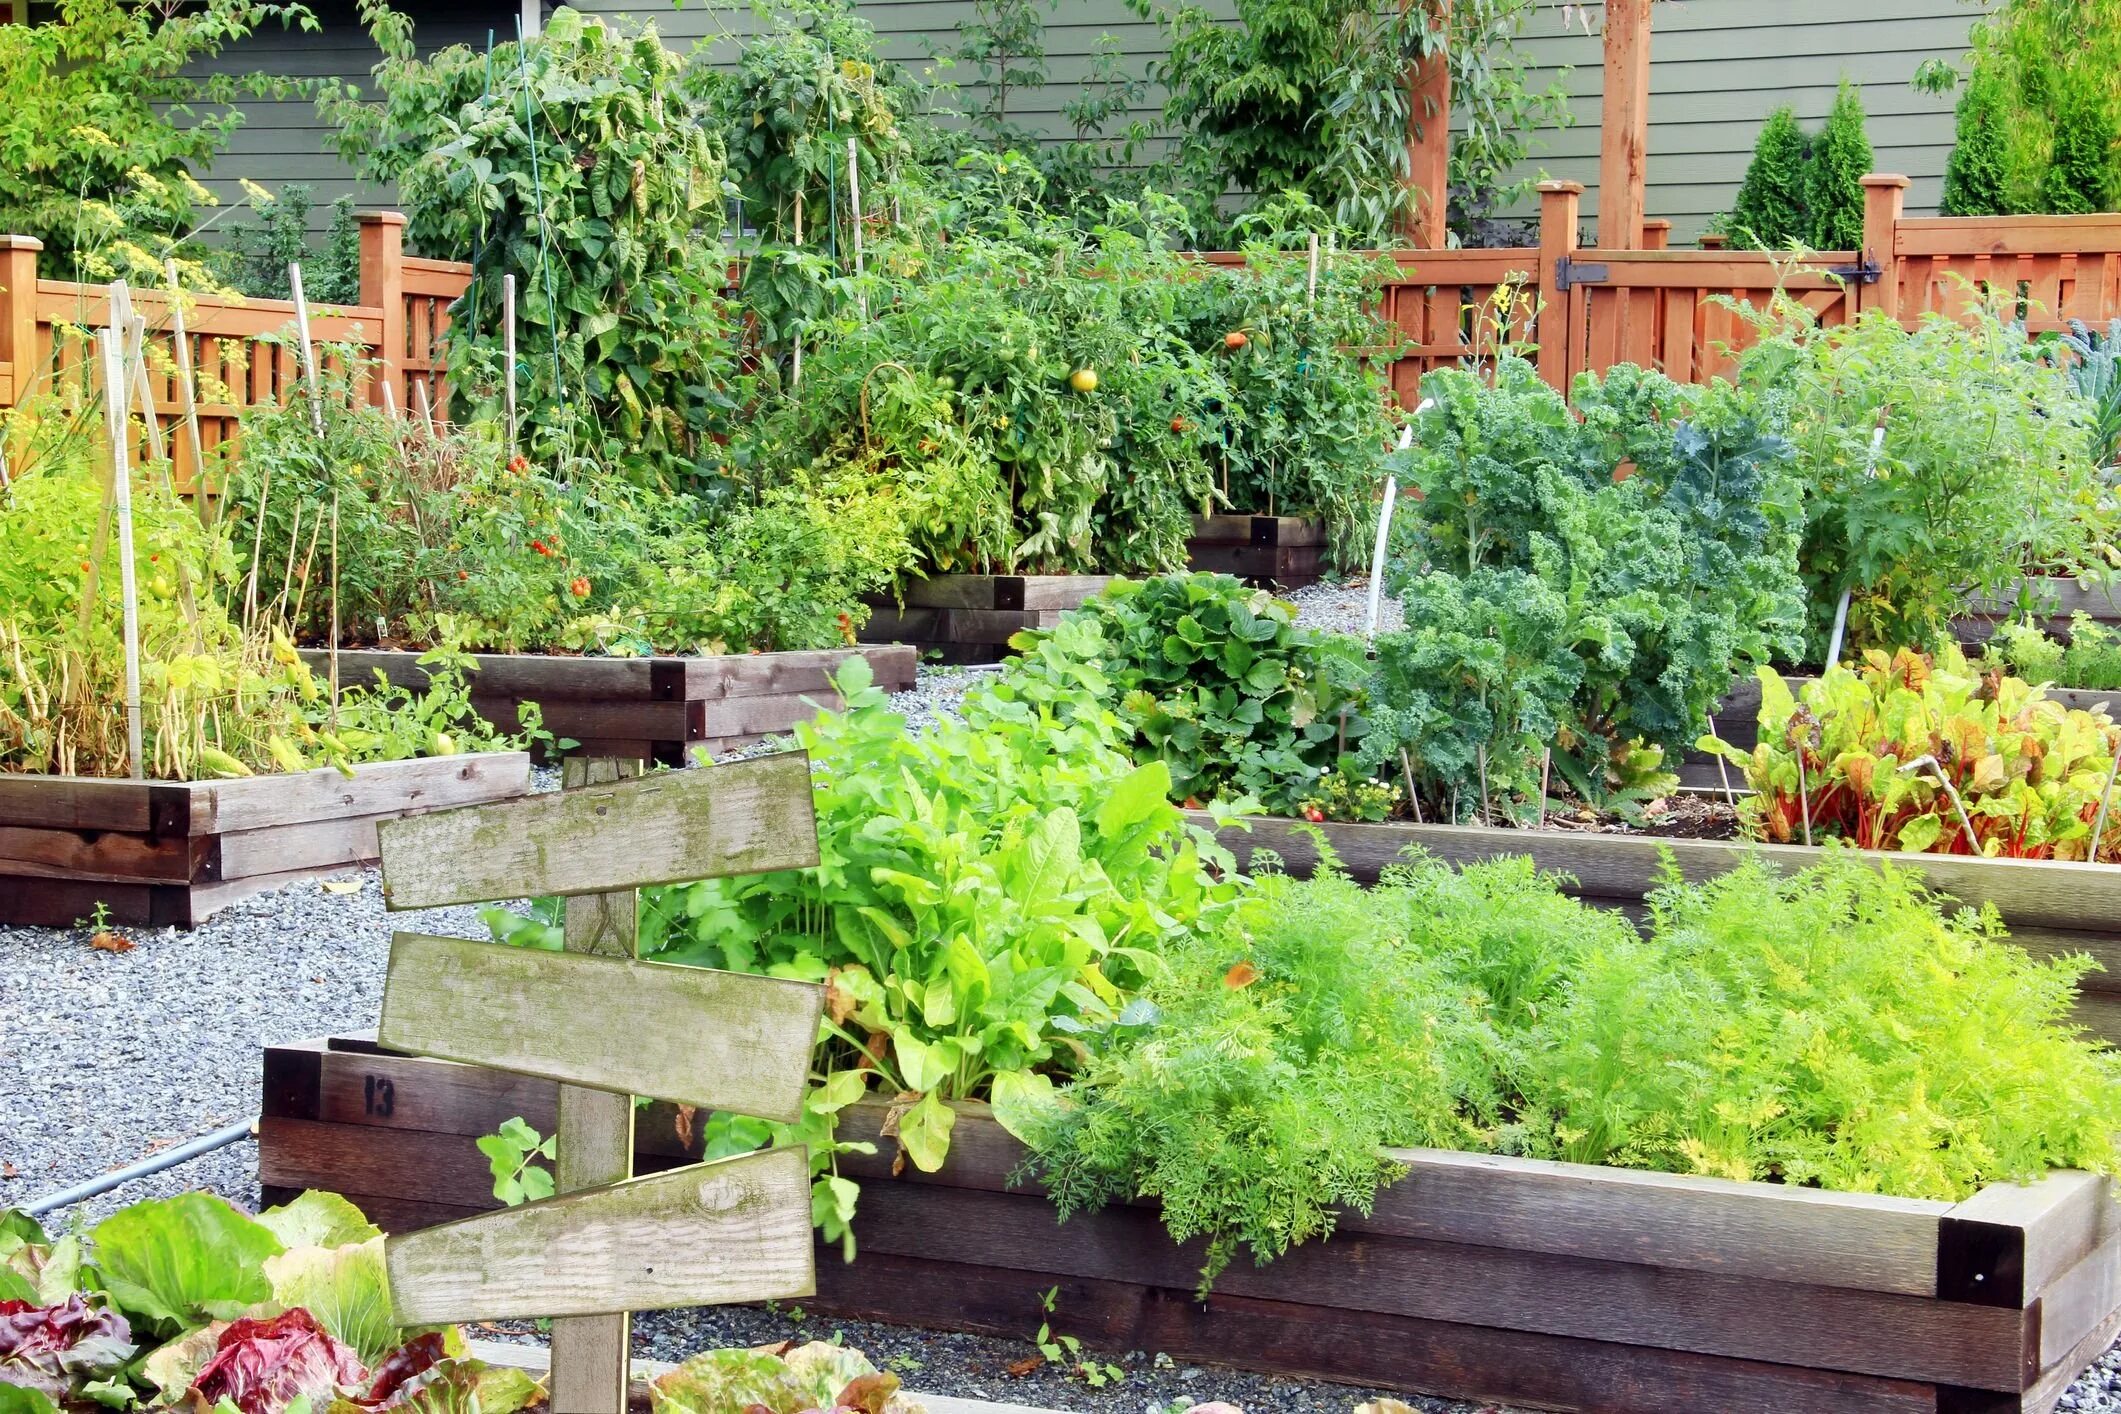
607, 1027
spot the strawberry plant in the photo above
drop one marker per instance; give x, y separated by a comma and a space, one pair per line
1216, 681
1927, 756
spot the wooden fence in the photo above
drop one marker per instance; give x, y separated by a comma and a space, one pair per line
235, 346
1585, 308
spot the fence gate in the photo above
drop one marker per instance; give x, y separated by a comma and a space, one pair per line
608, 1027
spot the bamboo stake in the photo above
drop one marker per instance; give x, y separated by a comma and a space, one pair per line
309, 352
188, 390
2106, 799
1480, 754
1973, 842
854, 203
1546, 768
1723, 771
294, 538
508, 353
1804, 795
334, 688
423, 406
121, 481
1406, 767
1311, 280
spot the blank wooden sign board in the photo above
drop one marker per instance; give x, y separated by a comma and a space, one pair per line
608, 1027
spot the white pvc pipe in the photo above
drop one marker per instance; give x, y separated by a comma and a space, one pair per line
114, 378
1384, 533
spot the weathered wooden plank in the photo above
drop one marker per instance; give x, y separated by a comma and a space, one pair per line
110, 855
1000, 591
913, 625
749, 817
2054, 1381
804, 671
85, 803
281, 849
1461, 1361
719, 1040
584, 718
422, 1167
2079, 1301
734, 1230
378, 788
60, 903
1256, 530
1860, 1332
1685, 1222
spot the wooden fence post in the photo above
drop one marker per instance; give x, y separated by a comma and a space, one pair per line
1624, 133
18, 315
383, 287
1656, 233
1884, 196
1428, 194
1560, 205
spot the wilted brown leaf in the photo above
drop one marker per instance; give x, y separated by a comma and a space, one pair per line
682, 1122
107, 941
1244, 974
1029, 1365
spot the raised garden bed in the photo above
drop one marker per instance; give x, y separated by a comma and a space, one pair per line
649, 709
158, 853
2060, 599
969, 618
1283, 551
1477, 1276
2049, 907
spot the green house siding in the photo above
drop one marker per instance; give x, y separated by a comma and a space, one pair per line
1718, 67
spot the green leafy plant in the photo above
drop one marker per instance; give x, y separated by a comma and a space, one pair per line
256, 256
1060, 1348
987, 891
1982, 475
2090, 657
1770, 211
1580, 588
1923, 755
104, 130
1768, 1027
1216, 681
1311, 96
578, 162
184, 1300
513, 1153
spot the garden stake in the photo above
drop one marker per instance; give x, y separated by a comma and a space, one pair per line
1723, 771
1311, 279
1804, 797
1384, 536
334, 689
422, 405
287, 575
854, 204
1406, 767
122, 489
1841, 623
135, 357
1481, 755
1546, 767
508, 354
309, 353
188, 389
2106, 798
1966, 822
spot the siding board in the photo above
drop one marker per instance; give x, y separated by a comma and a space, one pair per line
1718, 68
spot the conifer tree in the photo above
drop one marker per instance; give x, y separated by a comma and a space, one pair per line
1769, 213
1841, 156
1975, 173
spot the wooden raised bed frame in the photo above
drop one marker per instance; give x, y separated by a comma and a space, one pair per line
970, 618
663, 710
1477, 1276
1287, 552
161, 853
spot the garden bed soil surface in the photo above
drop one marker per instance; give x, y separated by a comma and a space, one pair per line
155, 853
665, 710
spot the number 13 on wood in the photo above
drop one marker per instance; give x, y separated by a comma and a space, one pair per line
609, 1027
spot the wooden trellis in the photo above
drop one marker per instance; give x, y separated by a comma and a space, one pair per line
607, 1027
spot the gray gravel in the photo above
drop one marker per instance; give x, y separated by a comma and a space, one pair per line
106, 1057
1344, 606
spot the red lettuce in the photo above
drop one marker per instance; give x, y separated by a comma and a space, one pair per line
56, 1349
263, 1366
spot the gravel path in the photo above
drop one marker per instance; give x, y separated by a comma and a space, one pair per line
106, 1057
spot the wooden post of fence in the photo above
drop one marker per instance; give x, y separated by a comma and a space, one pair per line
1884, 195
590, 1353
1560, 207
1657, 234
1428, 194
383, 287
1624, 133
18, 315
